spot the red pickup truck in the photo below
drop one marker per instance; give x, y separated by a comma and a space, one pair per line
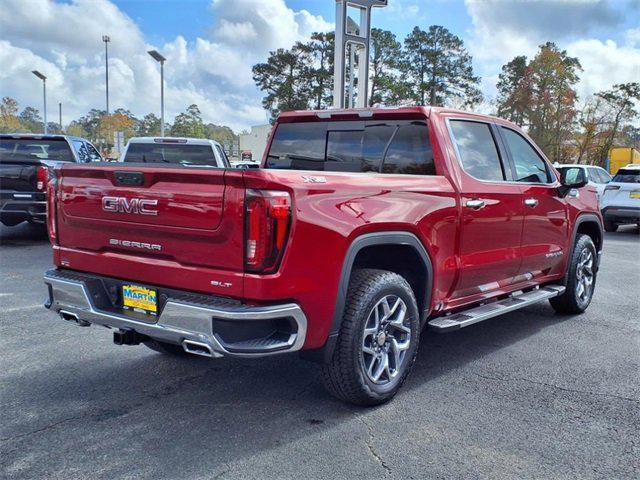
361, 228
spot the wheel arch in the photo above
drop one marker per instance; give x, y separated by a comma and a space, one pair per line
364, 252
591, 225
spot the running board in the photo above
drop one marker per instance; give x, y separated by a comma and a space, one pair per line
490, 310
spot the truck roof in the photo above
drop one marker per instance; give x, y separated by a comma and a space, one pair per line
176, 140
39, 136
381, 112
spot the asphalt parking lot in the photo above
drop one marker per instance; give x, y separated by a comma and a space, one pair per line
528, 395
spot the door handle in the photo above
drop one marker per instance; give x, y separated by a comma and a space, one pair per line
475, 204
531, 202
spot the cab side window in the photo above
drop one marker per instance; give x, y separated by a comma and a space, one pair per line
92, 153
530, 166
477, 150
82, 151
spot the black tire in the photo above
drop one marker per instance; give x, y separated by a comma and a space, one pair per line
346, 377
166, 348
571, 301
610, 226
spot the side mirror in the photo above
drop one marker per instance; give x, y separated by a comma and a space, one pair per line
570, 178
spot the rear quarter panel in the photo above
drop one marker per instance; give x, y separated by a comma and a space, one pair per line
329, 216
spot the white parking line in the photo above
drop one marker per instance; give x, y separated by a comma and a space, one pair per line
19, 309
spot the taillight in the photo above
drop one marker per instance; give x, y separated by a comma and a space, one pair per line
52, 213
267, 217
41, 178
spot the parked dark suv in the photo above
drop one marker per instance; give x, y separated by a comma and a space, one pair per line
25, 160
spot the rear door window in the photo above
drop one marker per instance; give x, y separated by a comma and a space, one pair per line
372, 146
627, 176
167, 153
477, 150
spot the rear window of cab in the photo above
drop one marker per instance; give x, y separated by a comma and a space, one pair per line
627, 175
353, 146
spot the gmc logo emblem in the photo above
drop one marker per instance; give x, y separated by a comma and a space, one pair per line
139, 206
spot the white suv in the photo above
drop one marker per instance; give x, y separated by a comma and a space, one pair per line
188, 152
597, 176
620, 203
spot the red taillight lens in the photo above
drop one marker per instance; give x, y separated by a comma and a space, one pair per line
268, 217
41, 179
52, 213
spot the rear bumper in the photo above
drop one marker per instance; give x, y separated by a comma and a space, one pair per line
621, 214
200, 324
16, 207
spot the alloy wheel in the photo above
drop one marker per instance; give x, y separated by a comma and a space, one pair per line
386, 340
584, 275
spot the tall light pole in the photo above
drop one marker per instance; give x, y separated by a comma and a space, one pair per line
160, 59
44, 95
60, 116
106, 40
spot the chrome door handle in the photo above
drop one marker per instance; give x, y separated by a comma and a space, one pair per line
531, 202
475, 204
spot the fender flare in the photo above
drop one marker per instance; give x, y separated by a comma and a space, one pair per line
360, 242
585, 218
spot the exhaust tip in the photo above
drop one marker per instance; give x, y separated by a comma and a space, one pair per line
197, 348
72, 317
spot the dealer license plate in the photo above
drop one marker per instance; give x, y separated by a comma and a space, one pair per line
140, 299
634, 194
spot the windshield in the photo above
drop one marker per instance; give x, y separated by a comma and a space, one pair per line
181, 154
627, 176
31, 149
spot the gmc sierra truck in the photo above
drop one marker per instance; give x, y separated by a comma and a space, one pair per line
361, 228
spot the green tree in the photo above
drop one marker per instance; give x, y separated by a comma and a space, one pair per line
221, 134
189, 124
384, 82
436, 68
149, 126
90, 123
621, 101
282, 78
317, 67
9, 122
553, 75
514, 91
31, 120
76, 129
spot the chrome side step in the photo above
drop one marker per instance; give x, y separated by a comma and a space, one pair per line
490, 310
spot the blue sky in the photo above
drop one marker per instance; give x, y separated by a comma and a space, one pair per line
211, 46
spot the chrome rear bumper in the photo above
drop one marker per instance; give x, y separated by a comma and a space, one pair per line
189, 321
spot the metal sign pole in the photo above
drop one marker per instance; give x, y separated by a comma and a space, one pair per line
356, 36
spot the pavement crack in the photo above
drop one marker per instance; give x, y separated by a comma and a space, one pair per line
371, 448
557, 387
42, 429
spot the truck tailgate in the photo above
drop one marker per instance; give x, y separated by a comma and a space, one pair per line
181, 216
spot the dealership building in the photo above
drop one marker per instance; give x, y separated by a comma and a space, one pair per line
255, 142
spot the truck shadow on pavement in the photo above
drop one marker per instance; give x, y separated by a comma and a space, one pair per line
180, 417
24, 234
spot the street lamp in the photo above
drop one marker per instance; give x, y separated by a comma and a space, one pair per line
44, 95
106, 40
160, 59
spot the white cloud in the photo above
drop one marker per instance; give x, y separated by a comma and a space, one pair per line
64, 42
605, 64
503, 30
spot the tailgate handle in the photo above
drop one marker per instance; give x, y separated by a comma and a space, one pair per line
134, 179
